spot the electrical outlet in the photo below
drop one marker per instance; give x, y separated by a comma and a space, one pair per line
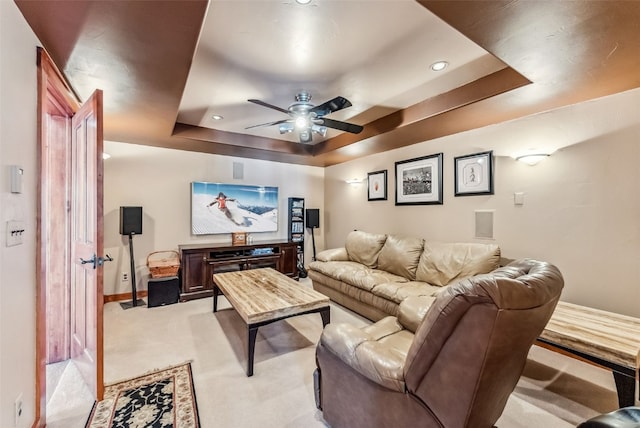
125, 276
18, 409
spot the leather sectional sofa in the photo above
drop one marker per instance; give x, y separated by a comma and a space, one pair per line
373, 273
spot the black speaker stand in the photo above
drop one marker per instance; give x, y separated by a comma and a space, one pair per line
134, 294
313, 242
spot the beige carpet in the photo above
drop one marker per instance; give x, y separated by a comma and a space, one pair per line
555, 391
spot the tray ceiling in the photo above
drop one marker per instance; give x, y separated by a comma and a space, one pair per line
166, 67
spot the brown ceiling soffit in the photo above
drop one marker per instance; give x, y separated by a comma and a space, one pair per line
200, 146
240, 140
488, 86
585, 49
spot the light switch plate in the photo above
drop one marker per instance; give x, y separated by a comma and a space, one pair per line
16, 178
518, 198
15, 232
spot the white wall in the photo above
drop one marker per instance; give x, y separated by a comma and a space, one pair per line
159, 180
18, 143
581, 210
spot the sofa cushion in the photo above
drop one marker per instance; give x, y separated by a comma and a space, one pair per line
442, 263
398, 291
348, 295
369, 278
412, 310
335, 270
400, 255
383, 328
380, 358
364, 247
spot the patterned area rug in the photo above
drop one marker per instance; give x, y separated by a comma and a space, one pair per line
161, 399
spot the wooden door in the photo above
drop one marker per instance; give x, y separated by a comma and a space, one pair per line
87, 242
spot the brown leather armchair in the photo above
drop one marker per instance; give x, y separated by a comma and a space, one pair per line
448, 361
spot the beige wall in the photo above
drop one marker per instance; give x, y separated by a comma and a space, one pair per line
581, 210
17, 264
159, 180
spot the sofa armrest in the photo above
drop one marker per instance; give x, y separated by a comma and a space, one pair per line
362, 352
333, 255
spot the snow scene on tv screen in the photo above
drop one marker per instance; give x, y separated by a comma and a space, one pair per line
225, 208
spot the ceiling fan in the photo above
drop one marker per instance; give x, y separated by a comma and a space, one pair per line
308, 119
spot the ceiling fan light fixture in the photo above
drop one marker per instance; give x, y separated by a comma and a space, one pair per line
320, 130
285, 128
439, 65
302, 122
305, 136
303, 1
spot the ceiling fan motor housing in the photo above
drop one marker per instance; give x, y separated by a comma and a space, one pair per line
303, 97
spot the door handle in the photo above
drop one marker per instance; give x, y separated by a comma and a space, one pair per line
96, 261
106, 258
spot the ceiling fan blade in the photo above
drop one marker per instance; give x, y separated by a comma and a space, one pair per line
338, 103
277, 122
342, 126
262, 103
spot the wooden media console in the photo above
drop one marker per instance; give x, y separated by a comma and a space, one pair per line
198, 263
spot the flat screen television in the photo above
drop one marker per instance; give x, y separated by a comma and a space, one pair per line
226, 208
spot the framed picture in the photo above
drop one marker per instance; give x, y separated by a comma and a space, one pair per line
474, 174
238, 238
419, 181
377, 182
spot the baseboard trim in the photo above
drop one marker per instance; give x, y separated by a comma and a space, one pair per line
123, 296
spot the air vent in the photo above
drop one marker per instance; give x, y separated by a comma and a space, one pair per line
484, 224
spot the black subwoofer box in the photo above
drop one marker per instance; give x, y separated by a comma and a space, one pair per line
163, 291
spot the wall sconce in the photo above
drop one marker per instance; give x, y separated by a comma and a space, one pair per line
354, 181
533, 158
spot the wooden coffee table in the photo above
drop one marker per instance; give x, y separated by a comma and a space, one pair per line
263, 296
603, 338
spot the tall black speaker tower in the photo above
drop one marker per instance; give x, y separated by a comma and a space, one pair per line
131, 224
313, 222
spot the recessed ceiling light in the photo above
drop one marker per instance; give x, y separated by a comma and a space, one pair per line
217, 117
105, 155
303, 1
439, 66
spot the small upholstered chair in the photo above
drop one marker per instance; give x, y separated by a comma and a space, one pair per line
447, 361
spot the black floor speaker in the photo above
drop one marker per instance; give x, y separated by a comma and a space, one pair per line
163, 291
313, 218
130, 220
